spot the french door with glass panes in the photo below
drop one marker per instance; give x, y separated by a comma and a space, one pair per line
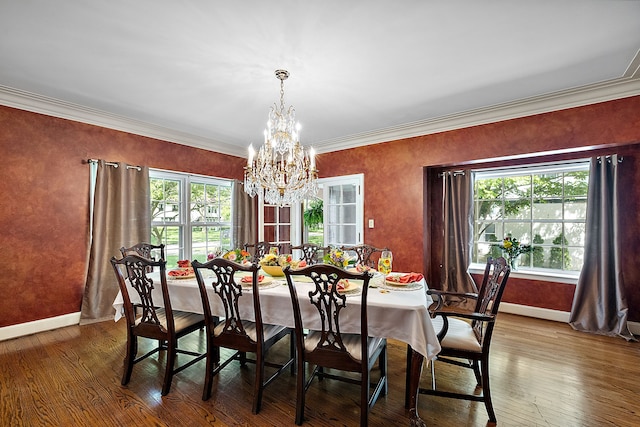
343, 210
343, 216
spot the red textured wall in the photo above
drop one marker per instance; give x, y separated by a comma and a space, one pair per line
402, 190
44, 207
44, 184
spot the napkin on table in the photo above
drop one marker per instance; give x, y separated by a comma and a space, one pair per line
406, 278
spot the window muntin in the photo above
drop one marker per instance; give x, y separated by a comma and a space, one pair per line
544, 206
190, 214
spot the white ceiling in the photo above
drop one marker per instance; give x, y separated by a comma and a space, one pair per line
201, 72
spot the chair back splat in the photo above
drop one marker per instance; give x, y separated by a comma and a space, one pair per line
311, 253
465, 337
145, 250
326, 345
259, 249
233, 331
364, 253
157, 320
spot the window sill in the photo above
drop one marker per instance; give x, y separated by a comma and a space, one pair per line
545, 276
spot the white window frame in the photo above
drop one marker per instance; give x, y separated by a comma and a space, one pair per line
570, 277
185, 224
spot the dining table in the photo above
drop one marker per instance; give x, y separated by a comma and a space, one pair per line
396, 311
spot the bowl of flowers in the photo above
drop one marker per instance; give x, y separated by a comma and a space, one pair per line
337, 257
273, 264
238, 255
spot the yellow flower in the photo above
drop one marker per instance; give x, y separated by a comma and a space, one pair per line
507, 244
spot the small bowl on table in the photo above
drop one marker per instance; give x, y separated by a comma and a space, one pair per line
273, 270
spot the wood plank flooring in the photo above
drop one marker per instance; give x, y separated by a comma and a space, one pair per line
542, 374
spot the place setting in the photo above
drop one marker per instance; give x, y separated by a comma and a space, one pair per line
264, 282
403, 282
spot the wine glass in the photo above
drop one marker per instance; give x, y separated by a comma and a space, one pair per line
385, 262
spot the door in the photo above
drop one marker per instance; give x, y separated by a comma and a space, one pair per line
343, 210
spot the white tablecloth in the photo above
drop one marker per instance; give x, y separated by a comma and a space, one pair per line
401, 315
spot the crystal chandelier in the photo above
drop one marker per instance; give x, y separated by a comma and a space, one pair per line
282, 171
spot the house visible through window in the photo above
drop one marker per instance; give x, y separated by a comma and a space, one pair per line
190, 214
543, 206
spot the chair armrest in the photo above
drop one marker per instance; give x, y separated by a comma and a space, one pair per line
442, 296
440, 293
482, 317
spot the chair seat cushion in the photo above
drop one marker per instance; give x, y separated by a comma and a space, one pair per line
350, 341
250, 329
459, 336
181, 319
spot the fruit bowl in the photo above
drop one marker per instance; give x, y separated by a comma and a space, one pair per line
273, 270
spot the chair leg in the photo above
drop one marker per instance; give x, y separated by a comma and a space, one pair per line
364, 398
486, 391
320, 374
212, 357
168, 374
433, 373
258, 385
382, 360
130, 357
292, 352
300, 392
476, 371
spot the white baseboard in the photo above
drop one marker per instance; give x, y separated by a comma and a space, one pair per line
548, 314
41, 325
539, 313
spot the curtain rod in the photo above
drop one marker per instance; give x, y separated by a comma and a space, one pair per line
454, 173
608, 158
115, 165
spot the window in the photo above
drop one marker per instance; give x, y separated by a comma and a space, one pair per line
190, 214
544, 206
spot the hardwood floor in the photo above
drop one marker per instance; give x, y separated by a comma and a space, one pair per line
542, 374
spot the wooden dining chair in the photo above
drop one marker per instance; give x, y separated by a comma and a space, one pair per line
234, 331
156, 319
260, 249
364, 253
325, 346
146, 250
310, 252
465, 336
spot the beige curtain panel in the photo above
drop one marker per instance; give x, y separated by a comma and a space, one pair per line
245, 216
121, 217
458, 234
599, 303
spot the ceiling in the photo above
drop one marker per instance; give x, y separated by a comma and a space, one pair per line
201, 72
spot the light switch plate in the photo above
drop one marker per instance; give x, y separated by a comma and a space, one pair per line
370, 223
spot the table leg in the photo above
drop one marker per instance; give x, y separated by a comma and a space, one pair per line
414, 371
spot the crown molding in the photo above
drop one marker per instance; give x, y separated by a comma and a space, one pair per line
35, 103
626, 86
623, 87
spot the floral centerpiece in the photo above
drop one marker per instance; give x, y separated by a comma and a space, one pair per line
337, 257
513, 249
282, 261
238, 255
273, 264
215, 253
